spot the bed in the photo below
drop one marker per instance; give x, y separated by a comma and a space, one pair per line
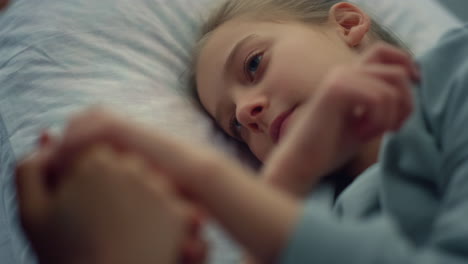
59, 56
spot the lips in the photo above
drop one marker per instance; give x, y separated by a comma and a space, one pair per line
277, 129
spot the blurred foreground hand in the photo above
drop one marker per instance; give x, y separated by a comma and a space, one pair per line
107, 207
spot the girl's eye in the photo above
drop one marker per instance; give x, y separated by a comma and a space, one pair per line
235, 127
252, 65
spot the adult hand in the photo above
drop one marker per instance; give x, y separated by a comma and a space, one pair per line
110, 207
354, 104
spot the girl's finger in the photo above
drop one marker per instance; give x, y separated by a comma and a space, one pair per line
163, 152
192, 248
92, 127
378, 100
396, 77
383, 53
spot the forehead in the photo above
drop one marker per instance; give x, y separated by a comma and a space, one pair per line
216, 48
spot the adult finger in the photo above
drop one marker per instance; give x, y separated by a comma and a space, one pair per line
195, 247
33, 192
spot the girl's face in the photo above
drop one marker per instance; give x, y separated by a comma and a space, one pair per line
254, 77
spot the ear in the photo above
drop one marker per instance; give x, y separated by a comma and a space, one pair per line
351, 22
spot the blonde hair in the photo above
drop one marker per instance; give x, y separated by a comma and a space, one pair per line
306, 11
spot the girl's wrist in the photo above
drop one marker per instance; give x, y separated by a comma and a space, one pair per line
258, 216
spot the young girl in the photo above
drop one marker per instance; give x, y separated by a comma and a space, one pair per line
253, 75
309, 96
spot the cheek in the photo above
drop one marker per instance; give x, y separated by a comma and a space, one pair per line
293, 79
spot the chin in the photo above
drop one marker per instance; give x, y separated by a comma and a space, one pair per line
261, 158
264, 155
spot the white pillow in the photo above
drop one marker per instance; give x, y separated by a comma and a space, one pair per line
59, 56
419, 23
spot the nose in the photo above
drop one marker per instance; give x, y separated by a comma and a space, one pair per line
251, 114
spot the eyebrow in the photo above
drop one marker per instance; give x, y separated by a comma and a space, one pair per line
230, 60
237, 48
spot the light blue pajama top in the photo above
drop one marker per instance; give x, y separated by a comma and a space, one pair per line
411, 207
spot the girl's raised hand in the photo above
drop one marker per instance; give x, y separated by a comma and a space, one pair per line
354, 104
